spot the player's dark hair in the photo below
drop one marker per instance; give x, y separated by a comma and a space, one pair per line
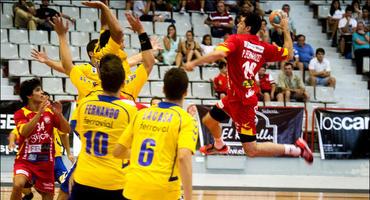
176, 83
104, 38
253, 20
27, 88
320, 50
91, 46
111, 73
155, 98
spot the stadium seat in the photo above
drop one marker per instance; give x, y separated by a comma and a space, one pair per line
25, 78
52, 51
53, 85
96, 35
131, 52
59, 74
127, 40
90, 13
194, 75
75, 51
161, 28
64, 98
181, 19
325, 94
202, 90
7, 93
145, 91
6, 21
4, 36
189, 102
163, 70
9, 51
18, 36
54, 38
40, 69
148, 27
117, 4
183, 28
77, 3
201, 30
84, 56
135, 43
70, 88
19, 68
310, 91
63, 2
80, 38
295, 104
25, 50
209, 101
154, 75
274, 103
8, 9
85, 25
156, 88
70, 11
39, 37
198, 19
208, 73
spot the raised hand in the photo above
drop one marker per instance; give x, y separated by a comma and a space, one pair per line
135, 23
59, 26
40, 56
44, 105
56, 106
93, 4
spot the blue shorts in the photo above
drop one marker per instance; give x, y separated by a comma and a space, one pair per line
322, 81
65, 184
59, 168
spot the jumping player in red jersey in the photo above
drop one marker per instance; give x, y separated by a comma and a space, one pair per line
245, 55
34, 163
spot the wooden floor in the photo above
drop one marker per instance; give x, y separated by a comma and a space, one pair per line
245, 195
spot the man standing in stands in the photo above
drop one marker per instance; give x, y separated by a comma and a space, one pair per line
245, 55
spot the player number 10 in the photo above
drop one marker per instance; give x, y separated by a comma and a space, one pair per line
100, 142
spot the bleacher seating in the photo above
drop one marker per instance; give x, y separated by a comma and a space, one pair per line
39, 37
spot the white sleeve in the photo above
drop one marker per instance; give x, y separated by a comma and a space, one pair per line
354, 23
328, 68
311, 65
342, 23
271, 79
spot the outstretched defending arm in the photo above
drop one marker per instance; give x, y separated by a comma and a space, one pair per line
65, 53
209, 58
42, 57
107, 17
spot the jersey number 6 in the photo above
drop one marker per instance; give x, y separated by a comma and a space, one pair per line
146, 152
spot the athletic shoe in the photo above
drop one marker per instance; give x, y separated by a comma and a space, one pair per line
28, 196
210, 149
306, 152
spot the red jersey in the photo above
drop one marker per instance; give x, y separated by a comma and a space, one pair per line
265, 81
245, 56
220, 83
39, 145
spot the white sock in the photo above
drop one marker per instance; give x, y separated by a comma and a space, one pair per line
292, 150
219, 143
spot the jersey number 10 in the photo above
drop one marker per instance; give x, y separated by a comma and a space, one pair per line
100, 142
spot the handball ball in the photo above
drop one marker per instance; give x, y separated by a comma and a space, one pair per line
274, 17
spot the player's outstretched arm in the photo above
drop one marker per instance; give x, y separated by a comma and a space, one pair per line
121, 152
185, 166
288, 43
209, 58
65, 141
65, 53
137, 58
146, 47
42, 57
112, 22
57, 109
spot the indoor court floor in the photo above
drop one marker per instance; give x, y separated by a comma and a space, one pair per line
246, 195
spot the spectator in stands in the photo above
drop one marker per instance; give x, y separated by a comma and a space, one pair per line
142, 8
291, 86
220, 81
361, 46
171, 44
220, 22
232, 5
320, 70
25, 15
263, 34
286, 9
356, 9
277, 37
46, 13
155, 100
161, 5
365, 18
247, 6
347, 26
295, 62
192, 5
266, 84
305, 51
188, 49
129, 4
206, 45
335, 14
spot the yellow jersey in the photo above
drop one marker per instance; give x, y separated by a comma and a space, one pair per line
100, 122
154, 137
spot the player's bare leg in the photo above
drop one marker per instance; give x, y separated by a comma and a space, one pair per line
46, 196
19, 182
214, 127
62, 195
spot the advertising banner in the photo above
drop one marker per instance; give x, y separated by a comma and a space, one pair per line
274, 124
343, 134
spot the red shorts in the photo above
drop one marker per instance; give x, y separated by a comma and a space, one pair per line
41, 174
244, 116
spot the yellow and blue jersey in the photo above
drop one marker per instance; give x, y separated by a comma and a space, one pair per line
100, 121
154, 137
